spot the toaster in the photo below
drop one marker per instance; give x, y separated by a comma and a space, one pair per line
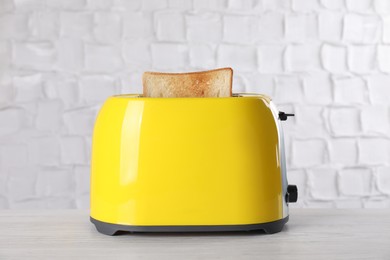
189, 165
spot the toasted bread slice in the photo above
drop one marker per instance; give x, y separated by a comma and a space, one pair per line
211, 83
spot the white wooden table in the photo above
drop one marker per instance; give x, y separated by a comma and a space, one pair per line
310, 234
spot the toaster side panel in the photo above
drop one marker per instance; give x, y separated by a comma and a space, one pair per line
283, 168
109, 169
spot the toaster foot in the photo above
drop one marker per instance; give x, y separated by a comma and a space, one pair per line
105, 228
111, 229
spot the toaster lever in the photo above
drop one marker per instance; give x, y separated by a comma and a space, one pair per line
283, 116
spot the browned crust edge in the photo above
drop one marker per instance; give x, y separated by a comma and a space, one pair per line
186, 73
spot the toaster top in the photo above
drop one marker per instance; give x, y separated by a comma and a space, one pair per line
266, 98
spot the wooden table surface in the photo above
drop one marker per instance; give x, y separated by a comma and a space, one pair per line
310, 234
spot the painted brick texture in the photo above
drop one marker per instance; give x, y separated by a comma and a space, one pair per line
327, 61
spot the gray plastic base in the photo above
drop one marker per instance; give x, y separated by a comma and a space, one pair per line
110, 229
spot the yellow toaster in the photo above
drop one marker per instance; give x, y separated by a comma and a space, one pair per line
189, 165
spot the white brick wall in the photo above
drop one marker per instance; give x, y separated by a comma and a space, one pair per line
326, 60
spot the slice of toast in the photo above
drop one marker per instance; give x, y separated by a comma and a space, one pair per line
211, 83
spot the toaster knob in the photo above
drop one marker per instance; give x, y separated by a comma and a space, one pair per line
292, 192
